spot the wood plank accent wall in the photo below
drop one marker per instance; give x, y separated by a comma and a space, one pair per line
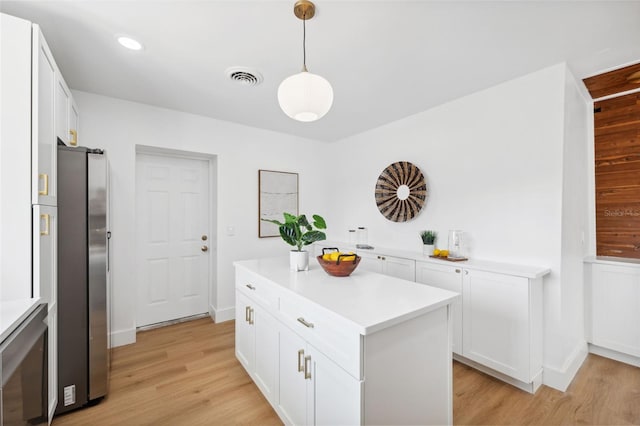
617, 176
617, 81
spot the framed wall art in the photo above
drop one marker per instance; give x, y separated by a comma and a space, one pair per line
277, 193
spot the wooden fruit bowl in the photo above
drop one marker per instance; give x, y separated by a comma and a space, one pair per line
339, 268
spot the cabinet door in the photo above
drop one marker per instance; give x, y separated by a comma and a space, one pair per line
370, 262
266, 352
43, 138
61, 114
245, 334
337, 396
45, 259
399, 267
74, 123
292, 386
447, 278
496, 322
615, 308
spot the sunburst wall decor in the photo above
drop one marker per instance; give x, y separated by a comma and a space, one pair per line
401, 191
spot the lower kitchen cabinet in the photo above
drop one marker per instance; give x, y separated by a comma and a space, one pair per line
257, 344
498, 321
448, 278
388, 265
613, 307
313, 389
502, 323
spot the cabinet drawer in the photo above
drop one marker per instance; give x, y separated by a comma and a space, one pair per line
257, 289
328, 332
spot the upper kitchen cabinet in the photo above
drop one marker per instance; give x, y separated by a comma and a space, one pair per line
43, 138
66, 113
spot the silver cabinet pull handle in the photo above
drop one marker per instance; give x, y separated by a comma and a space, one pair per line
250, 287
246, 313
307, 367
457, 271
305, 323
300, 363
251, 316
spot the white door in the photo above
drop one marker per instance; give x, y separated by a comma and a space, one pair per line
172, 205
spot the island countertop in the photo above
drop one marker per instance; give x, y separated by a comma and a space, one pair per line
370, 301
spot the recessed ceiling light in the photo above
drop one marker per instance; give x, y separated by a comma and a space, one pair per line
130, 43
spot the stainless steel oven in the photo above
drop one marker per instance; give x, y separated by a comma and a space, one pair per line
24, 372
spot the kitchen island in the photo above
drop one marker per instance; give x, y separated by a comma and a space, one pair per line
363, 349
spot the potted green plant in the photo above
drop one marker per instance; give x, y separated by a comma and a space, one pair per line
428, 241
299, 232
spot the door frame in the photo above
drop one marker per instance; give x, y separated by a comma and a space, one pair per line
212, 159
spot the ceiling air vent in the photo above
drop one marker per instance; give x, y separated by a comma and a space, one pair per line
244, 76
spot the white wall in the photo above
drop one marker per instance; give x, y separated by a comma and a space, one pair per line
497, 167
118, 126
565, 305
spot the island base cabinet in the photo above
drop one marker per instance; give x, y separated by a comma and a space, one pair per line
256, 344
313, 390
400, 387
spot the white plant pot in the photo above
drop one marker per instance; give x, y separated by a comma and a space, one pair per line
299, 260
427, 249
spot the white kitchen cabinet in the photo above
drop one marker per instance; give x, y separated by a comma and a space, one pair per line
502, 324
613, 297
388, 265
44, 142
45, 249
313, 390
45, 246
62, 107
74, 123
449, 278
256, 343
15, 158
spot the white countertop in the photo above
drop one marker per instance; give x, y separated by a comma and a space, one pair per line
526, 271
370, 301
13, 312
609, 260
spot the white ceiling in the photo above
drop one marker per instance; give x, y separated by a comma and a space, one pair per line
385, 59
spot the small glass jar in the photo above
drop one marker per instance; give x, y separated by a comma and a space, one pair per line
361, 235
352, 236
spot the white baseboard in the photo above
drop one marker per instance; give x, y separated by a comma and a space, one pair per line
527, 387
560, 379
615, 355
222, 315
123, 337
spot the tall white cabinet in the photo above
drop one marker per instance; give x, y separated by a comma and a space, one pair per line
37, 110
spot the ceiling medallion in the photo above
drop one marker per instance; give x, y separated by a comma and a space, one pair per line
401, 191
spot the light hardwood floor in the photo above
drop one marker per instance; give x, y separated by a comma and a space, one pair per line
187, 374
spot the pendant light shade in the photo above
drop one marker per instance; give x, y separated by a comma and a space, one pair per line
305, 96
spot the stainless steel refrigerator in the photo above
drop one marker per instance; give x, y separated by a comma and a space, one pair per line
83, 355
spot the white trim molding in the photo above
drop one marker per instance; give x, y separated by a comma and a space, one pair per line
123, 337
615, 355
223, 314
560, 379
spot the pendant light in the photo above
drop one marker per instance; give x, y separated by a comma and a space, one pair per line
305, 96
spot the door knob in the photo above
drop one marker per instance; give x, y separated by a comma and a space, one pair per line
204, 238
204, 248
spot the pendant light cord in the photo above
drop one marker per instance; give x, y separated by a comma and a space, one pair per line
304, 42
